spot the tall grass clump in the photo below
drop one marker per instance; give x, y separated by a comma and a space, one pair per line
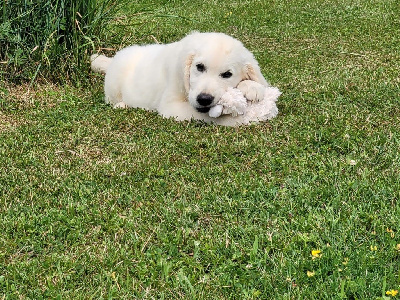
50, 38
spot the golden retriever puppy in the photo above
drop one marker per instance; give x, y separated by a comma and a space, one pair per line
182, 79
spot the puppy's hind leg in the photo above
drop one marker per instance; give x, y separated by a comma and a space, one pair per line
120, 105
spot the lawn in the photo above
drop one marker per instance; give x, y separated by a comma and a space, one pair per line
97, 203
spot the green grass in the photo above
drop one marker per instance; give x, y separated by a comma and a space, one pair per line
100, 203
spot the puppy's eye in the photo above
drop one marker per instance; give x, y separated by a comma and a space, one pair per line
201, 68
227, 74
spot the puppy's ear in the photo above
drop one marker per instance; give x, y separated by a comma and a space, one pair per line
252, 72
188, 64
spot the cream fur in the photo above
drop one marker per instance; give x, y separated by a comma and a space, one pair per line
166, 79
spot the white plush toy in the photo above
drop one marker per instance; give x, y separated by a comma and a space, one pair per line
234, 103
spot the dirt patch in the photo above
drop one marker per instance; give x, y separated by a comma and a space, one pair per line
7, 122
25, 96
16, 100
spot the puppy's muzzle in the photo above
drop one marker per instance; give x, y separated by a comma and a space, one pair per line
204, 100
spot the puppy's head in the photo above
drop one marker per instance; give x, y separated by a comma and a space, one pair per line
215, 62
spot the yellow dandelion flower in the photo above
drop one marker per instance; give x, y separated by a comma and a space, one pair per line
373, 248
388, 230
392, 293
345, 261
310, 273
316, 253
398, 247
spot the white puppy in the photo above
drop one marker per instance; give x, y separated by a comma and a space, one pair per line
183, 79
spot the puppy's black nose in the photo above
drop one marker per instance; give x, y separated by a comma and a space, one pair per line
205, 99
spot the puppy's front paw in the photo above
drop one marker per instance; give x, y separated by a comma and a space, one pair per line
252, 91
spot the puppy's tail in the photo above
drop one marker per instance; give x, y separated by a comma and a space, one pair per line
100, 63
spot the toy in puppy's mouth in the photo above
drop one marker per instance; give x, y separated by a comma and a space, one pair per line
234, 103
